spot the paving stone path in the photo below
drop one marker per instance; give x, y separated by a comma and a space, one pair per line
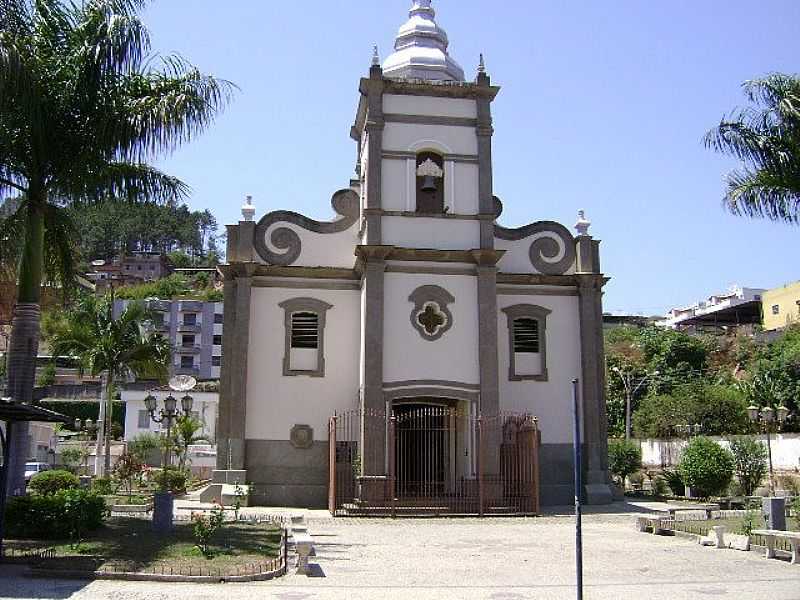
465, 559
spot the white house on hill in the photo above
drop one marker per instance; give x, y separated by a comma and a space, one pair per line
413, 312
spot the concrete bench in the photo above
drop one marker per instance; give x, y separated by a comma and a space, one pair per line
715, 537
773, 534
303, 545
655, 523
707, 508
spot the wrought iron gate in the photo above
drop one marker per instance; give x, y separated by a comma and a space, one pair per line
433, 459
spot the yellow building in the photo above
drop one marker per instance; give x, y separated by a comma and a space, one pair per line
781, 306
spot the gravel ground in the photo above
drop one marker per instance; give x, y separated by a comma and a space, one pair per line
465, 559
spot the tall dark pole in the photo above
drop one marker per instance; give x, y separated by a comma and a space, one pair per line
578, 464
6, 442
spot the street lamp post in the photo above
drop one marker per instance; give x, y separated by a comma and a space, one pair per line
766, 418
169, 414
628, 381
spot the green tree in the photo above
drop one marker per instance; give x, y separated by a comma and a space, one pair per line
717, 409
765, 136
706, 467
114, 349
84, 107
749, 463
624, 458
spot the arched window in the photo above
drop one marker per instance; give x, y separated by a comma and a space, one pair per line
304, 352
527, 342
430, 183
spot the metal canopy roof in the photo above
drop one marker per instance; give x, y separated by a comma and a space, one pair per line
11, 411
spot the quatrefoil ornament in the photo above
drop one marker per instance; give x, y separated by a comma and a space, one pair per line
431, 316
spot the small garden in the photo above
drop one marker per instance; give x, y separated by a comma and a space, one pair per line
729, 475
75, 523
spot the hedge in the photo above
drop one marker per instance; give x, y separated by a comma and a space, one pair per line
65, 514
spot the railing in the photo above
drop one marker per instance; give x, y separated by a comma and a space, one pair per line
433, 459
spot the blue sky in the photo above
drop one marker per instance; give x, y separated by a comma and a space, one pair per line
603, 107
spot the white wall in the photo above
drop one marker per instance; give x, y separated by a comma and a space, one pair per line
785, 451
276, 403
320, 250
422, 232
517, 257
549, 400
406, 355
206, 405
403, 137
435, 107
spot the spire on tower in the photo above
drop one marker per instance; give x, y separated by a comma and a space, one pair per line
421, 49
481, 65
376, 59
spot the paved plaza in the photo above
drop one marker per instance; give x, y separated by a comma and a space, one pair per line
497, 559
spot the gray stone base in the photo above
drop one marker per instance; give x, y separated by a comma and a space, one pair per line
557, 479
283, 475
229, 476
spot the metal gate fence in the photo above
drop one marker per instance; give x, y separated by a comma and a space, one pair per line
433, 459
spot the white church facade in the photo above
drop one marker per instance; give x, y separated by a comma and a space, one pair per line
413, 297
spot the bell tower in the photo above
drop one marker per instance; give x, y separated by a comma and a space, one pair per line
424, 138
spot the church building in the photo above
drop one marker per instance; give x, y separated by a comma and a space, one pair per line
412, 351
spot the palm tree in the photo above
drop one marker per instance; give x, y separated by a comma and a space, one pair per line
765, 136
84, 107
114, 349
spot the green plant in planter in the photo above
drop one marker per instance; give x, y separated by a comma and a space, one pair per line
706, 467
170, 479
749, 522
240, 494
750, 463
204, 527
624, 458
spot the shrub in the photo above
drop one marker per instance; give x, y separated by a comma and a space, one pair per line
749, 463
47, 483
706, 467
143, 445
170, 479
64, 514
204, 527
127, 469
674, 481
624, 458
103, 486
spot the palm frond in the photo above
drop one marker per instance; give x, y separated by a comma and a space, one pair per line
765, 137
762, 194
12, 240
120, 180
166, 108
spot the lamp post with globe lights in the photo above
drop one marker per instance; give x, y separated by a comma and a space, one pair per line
168, 415
767, 418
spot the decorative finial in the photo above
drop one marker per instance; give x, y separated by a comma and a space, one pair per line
376, 58
481, 65
583, 224
248, 210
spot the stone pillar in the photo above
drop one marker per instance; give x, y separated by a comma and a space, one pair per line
233, 374
373, 437
374, 126
484, 131
487, 357
595, 437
